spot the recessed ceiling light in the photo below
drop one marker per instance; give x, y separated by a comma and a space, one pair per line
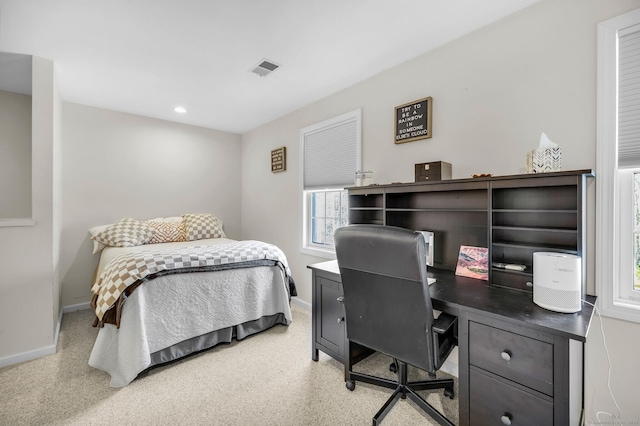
181, 110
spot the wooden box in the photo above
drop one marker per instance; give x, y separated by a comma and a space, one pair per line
436, 170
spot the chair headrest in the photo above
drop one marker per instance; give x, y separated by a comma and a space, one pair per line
384, 250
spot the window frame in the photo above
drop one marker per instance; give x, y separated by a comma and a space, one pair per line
609, 194
307, 247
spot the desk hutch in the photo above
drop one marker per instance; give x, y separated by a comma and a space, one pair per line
518, 363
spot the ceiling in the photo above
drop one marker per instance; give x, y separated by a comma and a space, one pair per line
147, 57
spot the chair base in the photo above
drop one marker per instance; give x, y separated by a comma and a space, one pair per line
403, 388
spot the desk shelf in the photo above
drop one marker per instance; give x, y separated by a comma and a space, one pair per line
514, 216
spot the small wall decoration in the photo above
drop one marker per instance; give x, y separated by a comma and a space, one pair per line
473, 262
279, 160
413, 121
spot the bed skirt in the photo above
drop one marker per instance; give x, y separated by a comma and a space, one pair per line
209, 340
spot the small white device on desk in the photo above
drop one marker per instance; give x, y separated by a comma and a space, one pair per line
557, 281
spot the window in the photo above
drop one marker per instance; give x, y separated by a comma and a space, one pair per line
618, 167
330, 156
329, 210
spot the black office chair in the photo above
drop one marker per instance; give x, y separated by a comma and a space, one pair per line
388, 309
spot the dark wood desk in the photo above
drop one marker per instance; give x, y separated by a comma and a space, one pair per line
518, 362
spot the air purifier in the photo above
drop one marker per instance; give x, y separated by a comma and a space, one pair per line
557, 281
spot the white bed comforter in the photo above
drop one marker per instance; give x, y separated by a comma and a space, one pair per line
174, 308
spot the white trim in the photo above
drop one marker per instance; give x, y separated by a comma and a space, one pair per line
77, 307
607, 186
296, 301
17, 222
34, 353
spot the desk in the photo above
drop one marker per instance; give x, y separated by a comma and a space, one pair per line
516, 359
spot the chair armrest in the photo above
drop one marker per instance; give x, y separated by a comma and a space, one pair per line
444, 323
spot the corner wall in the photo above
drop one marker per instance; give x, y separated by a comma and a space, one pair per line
120, 165
494, 92
28, 316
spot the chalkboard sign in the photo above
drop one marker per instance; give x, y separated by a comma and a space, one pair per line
413, 121
279, 160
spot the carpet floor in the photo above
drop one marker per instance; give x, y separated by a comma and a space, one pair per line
266, 379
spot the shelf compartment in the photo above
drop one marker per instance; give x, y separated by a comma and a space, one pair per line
443, 200
512, 279
366, 201
366, 216
537, 237
563, 219
536, 198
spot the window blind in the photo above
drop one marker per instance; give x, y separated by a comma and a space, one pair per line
629, 97
331, 150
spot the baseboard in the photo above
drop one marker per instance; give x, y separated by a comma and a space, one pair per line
34, 353
77, 307
450, 368
301, 303
45, 350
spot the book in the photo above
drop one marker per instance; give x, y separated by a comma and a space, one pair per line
473, 262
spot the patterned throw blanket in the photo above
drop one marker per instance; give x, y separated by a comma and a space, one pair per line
129, 269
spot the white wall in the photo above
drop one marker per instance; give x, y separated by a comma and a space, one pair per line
28, 316
15, 155
119, 165
494, 92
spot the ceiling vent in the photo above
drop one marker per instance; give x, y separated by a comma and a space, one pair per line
264, 68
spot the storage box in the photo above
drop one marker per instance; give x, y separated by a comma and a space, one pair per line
544, 160
437, 170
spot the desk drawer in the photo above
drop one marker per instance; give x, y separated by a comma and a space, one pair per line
518, 358
494, 402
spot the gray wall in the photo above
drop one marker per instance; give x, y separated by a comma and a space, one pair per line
15, 155
494, 92
121, 165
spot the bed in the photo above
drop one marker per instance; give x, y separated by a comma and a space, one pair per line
159, 302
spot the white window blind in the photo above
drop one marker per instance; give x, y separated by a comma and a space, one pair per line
331, 152
629, 96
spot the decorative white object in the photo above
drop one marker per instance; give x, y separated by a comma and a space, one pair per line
546, 158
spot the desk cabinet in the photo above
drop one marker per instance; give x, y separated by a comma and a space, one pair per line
518, 363
328, 321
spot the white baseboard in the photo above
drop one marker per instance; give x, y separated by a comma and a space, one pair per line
301, 303
45, 350
34, 353
77, 307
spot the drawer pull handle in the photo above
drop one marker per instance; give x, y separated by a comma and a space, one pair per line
340, 299
340, 320
506, 355
529, 284
506, 419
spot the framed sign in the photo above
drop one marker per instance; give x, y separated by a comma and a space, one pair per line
413, 121
279, 160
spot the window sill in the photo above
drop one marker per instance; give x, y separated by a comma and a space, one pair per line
17, 222
318, 252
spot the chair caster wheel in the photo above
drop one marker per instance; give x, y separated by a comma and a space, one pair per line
350, 384
449, 392
393, 367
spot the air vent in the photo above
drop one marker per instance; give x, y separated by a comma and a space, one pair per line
264, 68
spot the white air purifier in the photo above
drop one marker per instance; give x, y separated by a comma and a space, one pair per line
557, 281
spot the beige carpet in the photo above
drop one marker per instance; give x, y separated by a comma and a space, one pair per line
266, 379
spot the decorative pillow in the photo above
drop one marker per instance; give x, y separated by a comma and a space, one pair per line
97, 246
125, 233
167, 230
200, 226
